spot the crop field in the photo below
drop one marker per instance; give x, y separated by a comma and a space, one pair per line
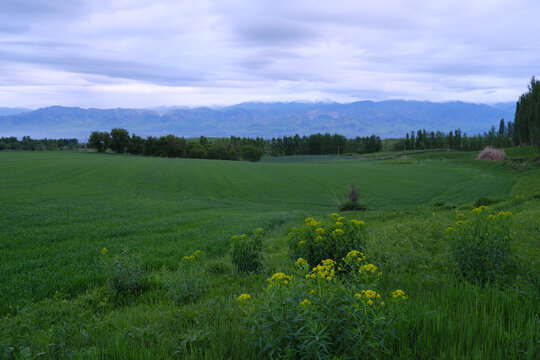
64, 215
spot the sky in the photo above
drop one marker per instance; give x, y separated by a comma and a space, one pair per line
140, 53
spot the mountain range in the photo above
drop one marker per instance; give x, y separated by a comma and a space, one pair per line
387, 119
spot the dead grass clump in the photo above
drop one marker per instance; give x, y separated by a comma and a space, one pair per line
491, 154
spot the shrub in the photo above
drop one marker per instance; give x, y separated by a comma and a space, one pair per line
352, 193
125, 275
246, 251
352, 206
491, 154
333, 239
190, 282
484, 201
481, 244
318, 314
439, 203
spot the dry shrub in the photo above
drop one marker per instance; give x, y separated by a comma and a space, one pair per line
491, 154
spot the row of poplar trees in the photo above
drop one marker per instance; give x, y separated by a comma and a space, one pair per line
527, 120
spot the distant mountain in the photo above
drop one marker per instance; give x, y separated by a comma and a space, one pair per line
12, 111
387, 119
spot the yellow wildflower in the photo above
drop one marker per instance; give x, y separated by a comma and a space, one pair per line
314, 223
197, 253
308, 220
301, 262
339, 223
479, 209
448, 229
460, 216
319, 238
370, 302
370, 268
399, 294
337, 232
302, 242
244, 297
305, 303
280, 278
334, 215
459, 222
320, 230
104, 251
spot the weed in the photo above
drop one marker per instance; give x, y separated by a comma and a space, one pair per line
189, 282
331, 239
125, 275
246, 251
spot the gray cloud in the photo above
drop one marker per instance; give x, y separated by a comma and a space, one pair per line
192, 52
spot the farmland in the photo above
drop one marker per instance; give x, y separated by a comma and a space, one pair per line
60, 209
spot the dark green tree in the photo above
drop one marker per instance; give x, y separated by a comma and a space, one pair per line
119, 140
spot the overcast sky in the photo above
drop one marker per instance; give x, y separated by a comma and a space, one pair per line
140, 53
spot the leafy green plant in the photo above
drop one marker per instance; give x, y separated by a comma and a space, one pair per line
246, 251
332, 238
352, 206
125, 275
485, 201
319, 315
481, 244
189, 282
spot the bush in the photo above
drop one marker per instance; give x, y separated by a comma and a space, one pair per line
352, 206
125, 275
491, 154
320, 315
481, 244
251, 153
190, 282
484, 201
316, 241
246, 251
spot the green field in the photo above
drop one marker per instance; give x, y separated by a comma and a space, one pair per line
60, 209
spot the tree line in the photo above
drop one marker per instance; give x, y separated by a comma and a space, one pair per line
456, 140
234, 148
120, 141
27, 143
322, 144
527, 118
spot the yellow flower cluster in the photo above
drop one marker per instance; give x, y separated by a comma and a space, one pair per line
354, 254
320, 230
479, 209
301, 242
301, 262
104, 251
337, 232
243, 236
369, 268
448, 229
460, 222
460, 216
193, 256
508, 213
357, 222
368, 296
341, 218
325, 271
312, 222
339, 223
399, 294
334, 215
305, 303
279, 278
244, 297
319, 238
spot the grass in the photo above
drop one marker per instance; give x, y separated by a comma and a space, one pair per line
59, 209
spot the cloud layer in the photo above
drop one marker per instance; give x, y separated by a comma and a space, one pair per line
135, 53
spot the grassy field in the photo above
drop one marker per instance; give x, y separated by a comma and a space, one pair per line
60, 209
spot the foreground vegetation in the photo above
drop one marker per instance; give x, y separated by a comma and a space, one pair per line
116, 256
